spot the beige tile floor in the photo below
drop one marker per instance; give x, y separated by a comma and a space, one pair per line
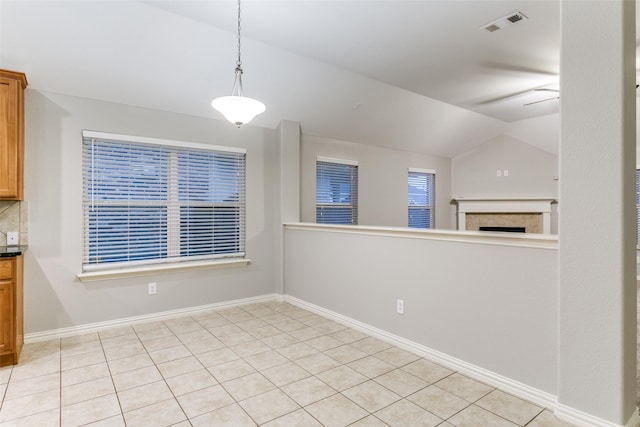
271, 364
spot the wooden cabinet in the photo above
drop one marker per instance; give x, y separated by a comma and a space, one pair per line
11, 314
6, 316
12, 85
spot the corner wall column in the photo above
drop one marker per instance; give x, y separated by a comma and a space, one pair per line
596, 257
288, 191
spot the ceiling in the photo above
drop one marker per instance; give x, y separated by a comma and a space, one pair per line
434, 48
416, 75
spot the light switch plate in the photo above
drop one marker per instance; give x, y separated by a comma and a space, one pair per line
12, 237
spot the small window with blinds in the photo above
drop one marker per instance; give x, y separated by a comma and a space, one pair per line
336, 191
421, 198
150, 201
637, 207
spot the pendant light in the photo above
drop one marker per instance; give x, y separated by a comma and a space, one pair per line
237, 108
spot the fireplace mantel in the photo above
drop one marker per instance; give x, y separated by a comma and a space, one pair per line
539, 205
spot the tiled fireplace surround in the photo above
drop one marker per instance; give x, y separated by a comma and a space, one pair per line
532, 213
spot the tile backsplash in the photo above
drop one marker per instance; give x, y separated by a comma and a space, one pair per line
14, 216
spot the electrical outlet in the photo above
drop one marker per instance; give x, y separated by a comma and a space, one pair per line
152, 288
505, 172
498, 172
400, 306
12, 237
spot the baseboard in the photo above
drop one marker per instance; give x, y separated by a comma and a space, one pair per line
93, 327
580, 418
506, 384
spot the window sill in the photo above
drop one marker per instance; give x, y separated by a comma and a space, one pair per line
148, 270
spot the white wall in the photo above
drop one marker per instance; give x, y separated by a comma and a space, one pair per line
492, 306
382, 180
532, 171
54, 298
542, 132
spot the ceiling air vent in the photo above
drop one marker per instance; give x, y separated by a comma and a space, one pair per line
505, 21
515, 18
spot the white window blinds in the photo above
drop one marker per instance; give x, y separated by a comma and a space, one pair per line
336, 192
637, 207
421, 198
147, 201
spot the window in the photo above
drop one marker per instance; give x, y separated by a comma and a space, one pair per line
421, 198
336, 191
149, 201
637, 206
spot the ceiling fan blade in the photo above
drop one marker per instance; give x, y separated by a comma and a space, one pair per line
510, 68
542, 100
501, 98
515, 94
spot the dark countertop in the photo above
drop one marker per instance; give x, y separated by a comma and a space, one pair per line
14, 250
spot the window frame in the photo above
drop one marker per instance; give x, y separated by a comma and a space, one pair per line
173, 259
430, 207
353, 193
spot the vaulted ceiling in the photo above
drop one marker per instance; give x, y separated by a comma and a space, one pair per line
415, 75
433, 48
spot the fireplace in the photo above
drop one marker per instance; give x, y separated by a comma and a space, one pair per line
531, 214
504, 229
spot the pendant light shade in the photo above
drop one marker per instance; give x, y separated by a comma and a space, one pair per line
237, 108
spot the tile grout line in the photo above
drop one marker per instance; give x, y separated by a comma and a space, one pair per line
115, 391
329, 334
235, 402
288, 333
279, 388
536, 416
219, 383
160, 372
6, 389
27, 395
271, 382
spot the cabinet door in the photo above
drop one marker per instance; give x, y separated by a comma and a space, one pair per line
6, 316
11, 138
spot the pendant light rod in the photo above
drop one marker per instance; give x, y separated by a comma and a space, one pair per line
237, 108
237, 84
239, 61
